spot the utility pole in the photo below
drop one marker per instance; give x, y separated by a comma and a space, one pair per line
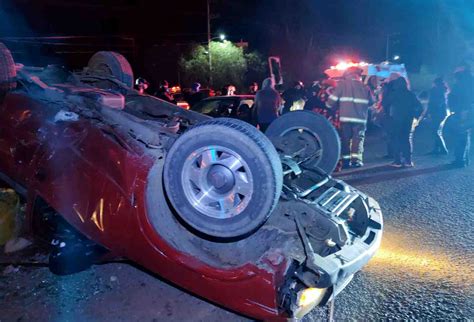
389, 43
209, 40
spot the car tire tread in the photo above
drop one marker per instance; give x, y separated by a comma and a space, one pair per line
266, 164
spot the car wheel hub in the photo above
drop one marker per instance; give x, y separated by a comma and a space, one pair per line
221, 178
217, 182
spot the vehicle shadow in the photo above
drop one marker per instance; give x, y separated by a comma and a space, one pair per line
184, 290
372, 177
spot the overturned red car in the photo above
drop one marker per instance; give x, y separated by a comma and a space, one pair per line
252, 222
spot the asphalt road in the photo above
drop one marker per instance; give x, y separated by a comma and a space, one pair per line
424, 269
425, 266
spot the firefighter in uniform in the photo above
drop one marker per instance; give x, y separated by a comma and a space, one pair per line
353, 99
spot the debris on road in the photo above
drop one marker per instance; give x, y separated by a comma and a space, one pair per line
16, 244
9, 206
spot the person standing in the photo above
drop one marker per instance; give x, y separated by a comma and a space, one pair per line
438, 110
314, 102
267, 104
253, 89
228, 90
384, 114
404, 106
231, 90
353, 99
164, 92
460, 102
196, 95
373, 85
142, 85
317, 103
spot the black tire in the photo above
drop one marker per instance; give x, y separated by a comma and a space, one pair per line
7, 70
110, 63
260, 163
318, 134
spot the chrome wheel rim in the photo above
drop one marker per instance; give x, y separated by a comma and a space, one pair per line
217, 182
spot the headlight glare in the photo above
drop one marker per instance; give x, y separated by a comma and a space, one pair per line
307, 299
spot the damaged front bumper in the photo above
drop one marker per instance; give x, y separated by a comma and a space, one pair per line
340, 229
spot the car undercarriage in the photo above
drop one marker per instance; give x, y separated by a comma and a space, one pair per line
198, 200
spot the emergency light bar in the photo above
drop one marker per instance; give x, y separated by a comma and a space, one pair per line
345, 65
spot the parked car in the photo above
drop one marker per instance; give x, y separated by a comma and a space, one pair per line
212, 205
236, 106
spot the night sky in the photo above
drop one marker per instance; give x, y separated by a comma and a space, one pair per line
308, 34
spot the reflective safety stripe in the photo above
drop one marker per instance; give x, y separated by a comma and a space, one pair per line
352, 120
334, 98
346, 157
354, 100
347, 99
361, 101
356, 155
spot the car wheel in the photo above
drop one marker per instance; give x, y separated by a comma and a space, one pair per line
223, 178
7, 70
110, 63
307, 136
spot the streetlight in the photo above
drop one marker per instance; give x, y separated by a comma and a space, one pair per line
221, 37
396, 57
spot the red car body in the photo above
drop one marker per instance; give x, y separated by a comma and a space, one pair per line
101, 207
107, 183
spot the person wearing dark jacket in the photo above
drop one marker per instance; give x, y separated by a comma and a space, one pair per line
314, 102
461, 102
384, 116
438, 110
164, 92
353, 99
253, 89
317, 103
267, 104
403, 106
142, 85
196, 95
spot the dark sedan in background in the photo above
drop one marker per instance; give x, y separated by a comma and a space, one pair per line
236, 106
